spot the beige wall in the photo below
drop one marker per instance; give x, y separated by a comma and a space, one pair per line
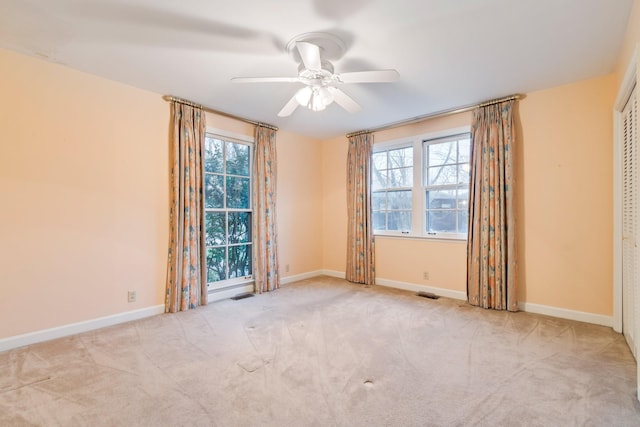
565, 188
83, 184
564, 182
84, 190
334, 204
299, 204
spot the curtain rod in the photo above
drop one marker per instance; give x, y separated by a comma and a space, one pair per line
220, 113
436, 114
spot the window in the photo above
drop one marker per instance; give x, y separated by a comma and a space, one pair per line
227, 201
392, 182
421, 187
447, 184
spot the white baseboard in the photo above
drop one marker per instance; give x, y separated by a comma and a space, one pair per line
333, 273
303, 276
414, 287
563, 313
101, 322
77, 328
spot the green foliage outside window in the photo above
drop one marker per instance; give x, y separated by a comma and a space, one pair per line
228, 236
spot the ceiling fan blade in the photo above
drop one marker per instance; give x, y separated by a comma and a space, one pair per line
289, 107
265, 80
344, 100
382, 76
310, 55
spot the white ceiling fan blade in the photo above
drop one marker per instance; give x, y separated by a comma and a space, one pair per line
289, 107
265, 79
382, 76
310, 55
344, 100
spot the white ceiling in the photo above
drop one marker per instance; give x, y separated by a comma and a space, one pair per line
449, 53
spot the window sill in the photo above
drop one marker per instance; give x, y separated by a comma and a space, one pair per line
451, 239
226, 284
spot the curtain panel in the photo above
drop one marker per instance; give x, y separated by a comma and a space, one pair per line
265, 245
186, 273
360, 243
491, 254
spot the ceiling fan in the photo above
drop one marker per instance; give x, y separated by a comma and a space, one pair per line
315, 72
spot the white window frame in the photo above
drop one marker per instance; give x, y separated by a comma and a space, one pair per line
418, 194
393, 145
240, 139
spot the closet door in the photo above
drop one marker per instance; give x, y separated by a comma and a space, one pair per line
630, 222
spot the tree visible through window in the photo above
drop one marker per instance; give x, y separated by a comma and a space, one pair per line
447, 184
392, 180
420, 187
228, 236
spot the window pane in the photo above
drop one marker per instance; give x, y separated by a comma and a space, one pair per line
379, 201
463, 173
379, 160
443, 199
237, 192
463, 219
213, 191
443, 153
378, 179
239, 261
401, 177
463, 199
213, 155
216, 265
464, 150
441, 221
400, 200
399, 221
237, 159
401, 158
443, 175
214, 228
239, 227
379, 220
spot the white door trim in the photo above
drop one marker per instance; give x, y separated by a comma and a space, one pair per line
626, 87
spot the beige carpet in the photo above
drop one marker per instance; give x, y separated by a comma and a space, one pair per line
323, 352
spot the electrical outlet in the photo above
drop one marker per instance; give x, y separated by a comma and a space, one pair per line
425, 275
286, 268
131, 296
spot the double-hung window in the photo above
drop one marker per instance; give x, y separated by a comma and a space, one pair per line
420, 187
392, 188
228, 234
446, 185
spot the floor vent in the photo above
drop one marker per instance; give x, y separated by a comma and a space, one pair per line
241, 296
427, 295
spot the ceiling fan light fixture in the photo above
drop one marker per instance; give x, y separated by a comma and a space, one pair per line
314, 98
317, 103
312, 51
304, 96
325, 96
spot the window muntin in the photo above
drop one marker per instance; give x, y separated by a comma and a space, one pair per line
446, 184
228, 233
392, 187
420, 187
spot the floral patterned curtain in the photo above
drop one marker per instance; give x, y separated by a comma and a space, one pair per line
360, 244
491, 256
186, 272
265, 246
